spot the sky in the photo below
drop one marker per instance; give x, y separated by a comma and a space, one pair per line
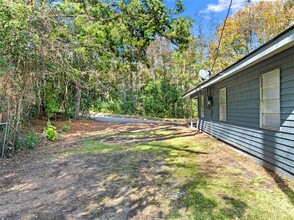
212, 11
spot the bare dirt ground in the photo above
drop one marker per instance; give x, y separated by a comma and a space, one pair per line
40, 185
45, 184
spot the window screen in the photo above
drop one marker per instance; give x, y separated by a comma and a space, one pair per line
223, 104
270, 100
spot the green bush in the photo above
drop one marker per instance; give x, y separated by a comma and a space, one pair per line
50, 132
65, 128
31, 141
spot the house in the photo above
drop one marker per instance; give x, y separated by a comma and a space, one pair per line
250, 104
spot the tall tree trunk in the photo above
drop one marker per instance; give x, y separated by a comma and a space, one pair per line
19, 111
131, 99
132, 83
77, 101
43, 94
125, 91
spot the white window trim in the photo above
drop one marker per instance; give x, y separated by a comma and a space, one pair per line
202, 106
223, 117
261, 111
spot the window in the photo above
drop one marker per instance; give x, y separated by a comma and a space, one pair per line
202, 106
223, 104
270, 100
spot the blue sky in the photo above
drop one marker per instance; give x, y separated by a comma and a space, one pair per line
213, 11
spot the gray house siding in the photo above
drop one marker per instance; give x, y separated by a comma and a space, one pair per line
274, 149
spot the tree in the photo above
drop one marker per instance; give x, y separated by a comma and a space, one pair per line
248, 29
67, 56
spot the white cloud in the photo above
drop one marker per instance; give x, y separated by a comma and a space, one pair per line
220, 6
223, 5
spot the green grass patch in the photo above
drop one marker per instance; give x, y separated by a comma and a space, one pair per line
256, 181
94, 147
137, 134
233, 170
200, 191
144, 133
163, 132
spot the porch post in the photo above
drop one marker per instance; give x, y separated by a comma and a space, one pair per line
191, 117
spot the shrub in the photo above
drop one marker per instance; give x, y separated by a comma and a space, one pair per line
50, 132
31, 141
65, 128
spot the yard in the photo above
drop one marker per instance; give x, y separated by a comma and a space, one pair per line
102, 170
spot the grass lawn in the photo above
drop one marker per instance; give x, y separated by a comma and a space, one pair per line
171, 175
140, 171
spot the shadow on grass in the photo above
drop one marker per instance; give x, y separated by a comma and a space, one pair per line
170, 147
123, 183
131, 140
202, 207
282, 184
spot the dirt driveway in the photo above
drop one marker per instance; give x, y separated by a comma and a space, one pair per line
102, 170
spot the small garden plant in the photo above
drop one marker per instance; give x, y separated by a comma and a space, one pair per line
65, 128
31, 141
50, 132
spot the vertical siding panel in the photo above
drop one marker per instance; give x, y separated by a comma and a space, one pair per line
274, 149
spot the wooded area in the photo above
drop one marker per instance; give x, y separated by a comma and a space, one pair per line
127, 57
61, 60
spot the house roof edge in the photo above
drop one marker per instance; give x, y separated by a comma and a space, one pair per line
281, 42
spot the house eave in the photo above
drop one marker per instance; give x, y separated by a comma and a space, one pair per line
278, 44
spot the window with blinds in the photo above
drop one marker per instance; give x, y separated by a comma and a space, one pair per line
270, 100
223, 104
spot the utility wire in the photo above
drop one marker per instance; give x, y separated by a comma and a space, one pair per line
219, 42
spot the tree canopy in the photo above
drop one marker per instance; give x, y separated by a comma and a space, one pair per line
121, 56
249, 28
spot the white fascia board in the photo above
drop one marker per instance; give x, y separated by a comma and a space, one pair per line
278, 45
189, 94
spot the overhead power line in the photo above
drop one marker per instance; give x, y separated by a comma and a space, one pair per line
221, 36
